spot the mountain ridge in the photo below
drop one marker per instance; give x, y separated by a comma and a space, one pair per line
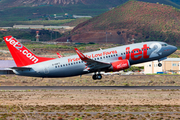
139, 20
23, 10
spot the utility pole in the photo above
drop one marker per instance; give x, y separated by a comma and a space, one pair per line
106, 35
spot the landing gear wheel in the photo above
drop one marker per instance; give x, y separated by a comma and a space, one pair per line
99, 76
159, 64
94, 77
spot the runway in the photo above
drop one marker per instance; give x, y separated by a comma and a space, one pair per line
89, 87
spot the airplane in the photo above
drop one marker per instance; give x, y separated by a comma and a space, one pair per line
106, 60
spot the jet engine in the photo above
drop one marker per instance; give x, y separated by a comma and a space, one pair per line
120, 65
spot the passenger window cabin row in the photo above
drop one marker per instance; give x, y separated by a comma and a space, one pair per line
100, 58
135, 51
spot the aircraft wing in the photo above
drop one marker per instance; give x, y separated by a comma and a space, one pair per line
92, 65
59, 55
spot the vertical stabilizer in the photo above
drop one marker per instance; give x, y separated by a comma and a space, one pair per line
21, 55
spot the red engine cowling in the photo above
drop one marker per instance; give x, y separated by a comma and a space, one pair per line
120, 65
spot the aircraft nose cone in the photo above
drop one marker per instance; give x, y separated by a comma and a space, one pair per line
173, 48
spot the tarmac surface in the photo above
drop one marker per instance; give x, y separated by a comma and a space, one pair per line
88, 87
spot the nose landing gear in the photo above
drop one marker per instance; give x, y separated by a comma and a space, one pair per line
159, 64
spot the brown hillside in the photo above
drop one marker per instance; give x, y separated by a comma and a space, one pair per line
33, 3
127, 21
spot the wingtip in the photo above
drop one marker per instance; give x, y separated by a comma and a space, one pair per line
82, 56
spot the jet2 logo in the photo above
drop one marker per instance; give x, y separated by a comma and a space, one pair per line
12, 41
122, 65
156, 50
17, 45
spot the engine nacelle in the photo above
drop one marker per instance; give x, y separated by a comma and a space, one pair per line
120, 65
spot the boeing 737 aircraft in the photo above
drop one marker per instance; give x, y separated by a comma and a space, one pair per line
112, 59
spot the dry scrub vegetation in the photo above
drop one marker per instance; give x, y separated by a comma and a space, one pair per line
90, 104
89, 116
86, 80
90, 97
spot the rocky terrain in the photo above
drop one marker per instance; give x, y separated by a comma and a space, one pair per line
33, 3
46, 2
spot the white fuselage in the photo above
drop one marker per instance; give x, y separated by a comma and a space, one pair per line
73, 65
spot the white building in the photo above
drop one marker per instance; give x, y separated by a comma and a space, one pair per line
170, 65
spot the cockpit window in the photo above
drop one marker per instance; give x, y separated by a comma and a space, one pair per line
164, 44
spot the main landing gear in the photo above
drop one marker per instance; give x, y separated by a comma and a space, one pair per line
97, 76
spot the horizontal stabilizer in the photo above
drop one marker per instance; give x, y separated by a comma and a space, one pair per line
21, 68
6, 72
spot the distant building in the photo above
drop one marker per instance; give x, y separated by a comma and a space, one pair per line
58, 27
152, 67
78, 16
28, 26
41, 27
170, 65
23, 40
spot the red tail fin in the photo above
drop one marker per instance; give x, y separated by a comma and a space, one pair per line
21, 55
